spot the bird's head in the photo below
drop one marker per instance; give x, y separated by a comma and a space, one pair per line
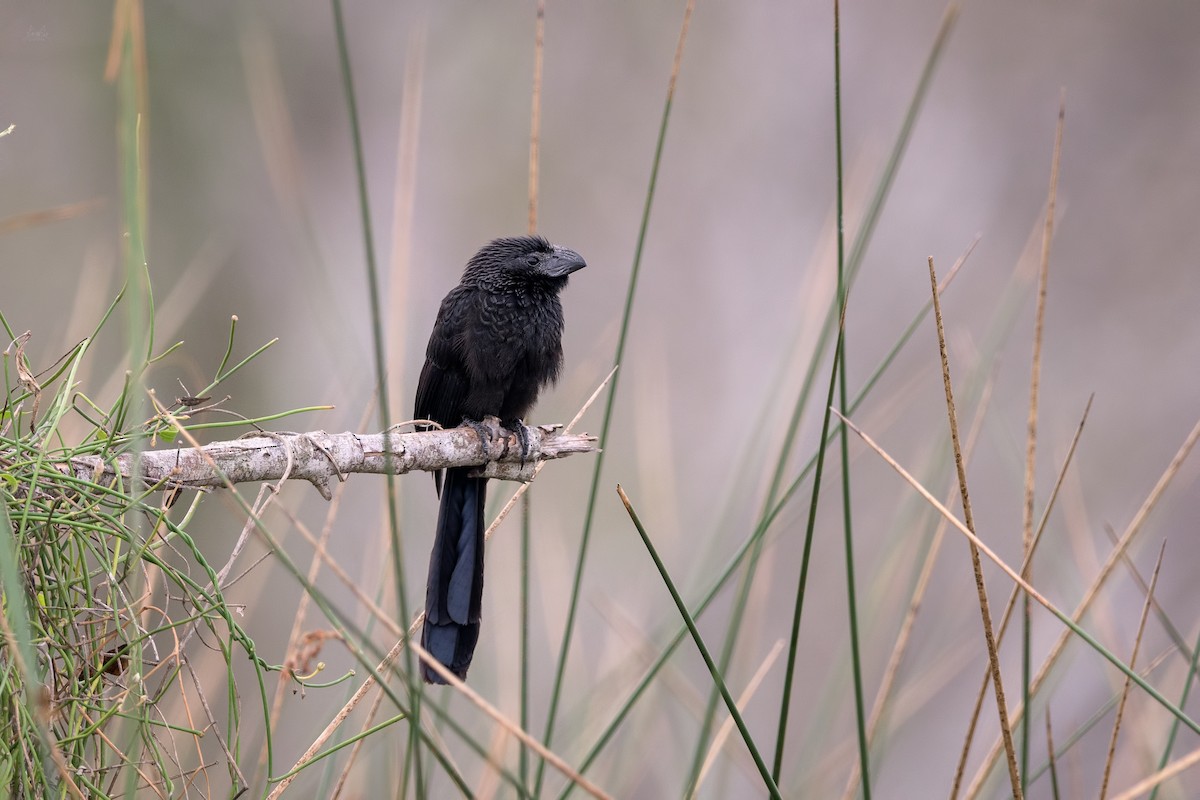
529, 258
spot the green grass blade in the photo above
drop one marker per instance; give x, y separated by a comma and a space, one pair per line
412, 755
768, 781
860, 714
535, 122
1101, 714
1183, 698
851, 267
523, 765
740, 556
379, 726
131, 103
626, 315
14, 607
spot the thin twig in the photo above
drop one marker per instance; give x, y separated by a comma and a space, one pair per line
352, 584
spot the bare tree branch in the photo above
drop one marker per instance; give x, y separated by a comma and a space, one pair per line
318, 456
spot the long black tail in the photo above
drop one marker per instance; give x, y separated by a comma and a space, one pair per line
454, 592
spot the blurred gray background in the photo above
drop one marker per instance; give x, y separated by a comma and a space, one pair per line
253, 211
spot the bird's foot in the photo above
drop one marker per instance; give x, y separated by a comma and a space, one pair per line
521, 430
488, 429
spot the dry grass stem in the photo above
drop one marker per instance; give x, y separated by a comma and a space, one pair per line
640, 652
892, 669
337, 720
60, 763
404, 194
535, 114
1035, 371
43, 216
955, 521
516, 730
213, 726
1138, 578
352, 584
1012, 597
398, 647
489, 782
340, 784
1013, 574
1114, 557
517, 495
977, 566
320, 554
1162, 776
1137, 642
1038, 329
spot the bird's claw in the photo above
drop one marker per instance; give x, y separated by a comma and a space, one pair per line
488, 429
491, 429
521, 431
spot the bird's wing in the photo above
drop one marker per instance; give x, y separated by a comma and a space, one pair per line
444, 382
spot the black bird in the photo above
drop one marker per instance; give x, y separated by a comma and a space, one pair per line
496, 342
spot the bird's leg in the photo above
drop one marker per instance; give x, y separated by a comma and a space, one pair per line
518, 427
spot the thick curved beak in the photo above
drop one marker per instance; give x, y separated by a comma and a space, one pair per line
562, 262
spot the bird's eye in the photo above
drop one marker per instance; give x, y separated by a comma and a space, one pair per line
531, 260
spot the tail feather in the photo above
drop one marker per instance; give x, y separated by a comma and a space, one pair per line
454, 592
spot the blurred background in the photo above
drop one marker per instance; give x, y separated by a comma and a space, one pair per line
253, 211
